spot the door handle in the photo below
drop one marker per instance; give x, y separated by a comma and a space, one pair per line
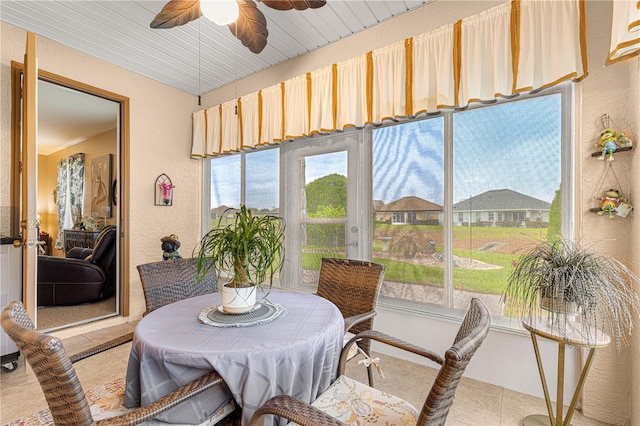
21, 243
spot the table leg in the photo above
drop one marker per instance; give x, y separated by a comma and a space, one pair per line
534, 420
578, 391
560, 384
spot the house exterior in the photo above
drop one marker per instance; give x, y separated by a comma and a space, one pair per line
502, 208
410, 211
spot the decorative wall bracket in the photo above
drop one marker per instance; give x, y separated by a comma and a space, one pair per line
164, 191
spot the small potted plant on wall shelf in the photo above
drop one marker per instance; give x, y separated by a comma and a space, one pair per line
249, 251
564, 280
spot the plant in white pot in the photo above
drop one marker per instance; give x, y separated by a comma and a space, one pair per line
249, 250
565, 279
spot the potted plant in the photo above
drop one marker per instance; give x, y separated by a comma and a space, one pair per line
249, 250
566, 279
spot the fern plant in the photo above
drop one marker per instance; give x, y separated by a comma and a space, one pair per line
562, 274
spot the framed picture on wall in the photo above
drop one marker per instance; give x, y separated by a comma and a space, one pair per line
100, 186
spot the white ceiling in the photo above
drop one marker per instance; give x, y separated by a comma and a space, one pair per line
199, 56
67, 117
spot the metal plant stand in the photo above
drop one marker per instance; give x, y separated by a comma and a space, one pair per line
569, 333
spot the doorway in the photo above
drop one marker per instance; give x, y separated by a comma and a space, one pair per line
82, 145
324, 201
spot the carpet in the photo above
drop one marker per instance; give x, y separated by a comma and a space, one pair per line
51, 317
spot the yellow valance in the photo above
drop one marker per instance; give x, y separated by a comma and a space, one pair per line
514, 47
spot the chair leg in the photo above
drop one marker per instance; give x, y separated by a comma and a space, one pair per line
370, 374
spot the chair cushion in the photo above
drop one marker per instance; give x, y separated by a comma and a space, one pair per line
108, 401
358, 404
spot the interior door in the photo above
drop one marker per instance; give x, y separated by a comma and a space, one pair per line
323, 193
28, 220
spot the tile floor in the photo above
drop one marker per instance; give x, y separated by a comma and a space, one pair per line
477, 403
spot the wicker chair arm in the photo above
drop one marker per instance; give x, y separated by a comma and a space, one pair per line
174, 398
357, 319
389, 340
126, 338
294, 410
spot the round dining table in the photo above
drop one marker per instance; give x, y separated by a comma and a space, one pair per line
296, 353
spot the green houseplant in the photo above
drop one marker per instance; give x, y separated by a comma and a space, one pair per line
564, 278
249, 250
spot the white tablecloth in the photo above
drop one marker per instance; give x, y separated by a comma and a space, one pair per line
295, 354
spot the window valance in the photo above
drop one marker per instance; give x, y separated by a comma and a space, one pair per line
625, 30
514, 47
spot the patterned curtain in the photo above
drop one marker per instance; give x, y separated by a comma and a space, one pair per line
70, 191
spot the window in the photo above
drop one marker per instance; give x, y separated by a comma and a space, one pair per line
447, 212
247, 178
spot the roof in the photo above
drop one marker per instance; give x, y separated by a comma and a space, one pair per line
410, 204
501, 199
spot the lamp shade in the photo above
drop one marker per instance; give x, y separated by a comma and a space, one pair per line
221, 12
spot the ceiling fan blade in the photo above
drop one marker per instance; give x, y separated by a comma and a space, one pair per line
294, 4
176, 13
251, 26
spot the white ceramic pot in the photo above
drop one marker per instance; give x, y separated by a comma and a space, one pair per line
238, 300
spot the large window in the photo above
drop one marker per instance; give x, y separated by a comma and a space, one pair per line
445, 202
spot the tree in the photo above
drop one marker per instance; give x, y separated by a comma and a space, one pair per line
327, 191
326, 197
554, 231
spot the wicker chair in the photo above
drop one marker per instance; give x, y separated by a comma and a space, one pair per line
353, 286
68, 404
172, 280
342, 400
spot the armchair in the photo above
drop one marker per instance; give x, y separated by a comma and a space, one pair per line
84, 276
348, 402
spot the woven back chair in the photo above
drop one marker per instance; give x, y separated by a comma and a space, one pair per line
349, 401
172, 280
68, 404
353, 286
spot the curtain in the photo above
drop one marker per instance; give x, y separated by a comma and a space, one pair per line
516, 46
322, 106
433, 70
296, 108
70, 193
486, 64
351, 92
625, 30
389, 91
272, 129
552, 44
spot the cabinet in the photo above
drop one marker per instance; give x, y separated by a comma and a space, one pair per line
10, 290
78, 238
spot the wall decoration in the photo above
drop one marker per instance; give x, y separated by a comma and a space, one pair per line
100, 186
164, 191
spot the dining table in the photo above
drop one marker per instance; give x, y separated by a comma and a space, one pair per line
292, 349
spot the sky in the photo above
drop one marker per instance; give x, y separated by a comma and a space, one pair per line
408, 158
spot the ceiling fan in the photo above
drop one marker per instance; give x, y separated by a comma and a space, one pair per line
243, 17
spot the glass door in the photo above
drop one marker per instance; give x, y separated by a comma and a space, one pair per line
322, 192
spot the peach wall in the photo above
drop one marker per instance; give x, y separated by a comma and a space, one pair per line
160, 142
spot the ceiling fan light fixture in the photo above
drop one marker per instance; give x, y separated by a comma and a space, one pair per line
220, 12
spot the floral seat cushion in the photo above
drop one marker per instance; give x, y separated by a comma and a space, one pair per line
358, 404
108, 401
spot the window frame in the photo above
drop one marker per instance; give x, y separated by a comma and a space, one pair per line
445, 311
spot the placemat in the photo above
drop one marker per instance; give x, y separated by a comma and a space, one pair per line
261, 313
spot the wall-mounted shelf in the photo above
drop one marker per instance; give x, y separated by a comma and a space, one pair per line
625, 149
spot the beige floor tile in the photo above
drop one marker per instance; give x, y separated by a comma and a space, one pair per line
476, 403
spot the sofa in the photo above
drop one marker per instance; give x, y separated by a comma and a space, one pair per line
83, 276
